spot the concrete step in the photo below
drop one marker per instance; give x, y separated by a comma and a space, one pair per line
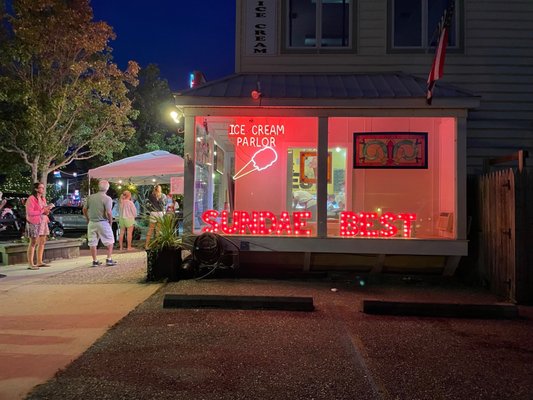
453, 310
287, 303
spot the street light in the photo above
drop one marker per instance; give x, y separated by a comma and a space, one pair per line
60, 183
178, 116
175, 116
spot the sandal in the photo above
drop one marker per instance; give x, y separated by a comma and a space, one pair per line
44, 265
33, 267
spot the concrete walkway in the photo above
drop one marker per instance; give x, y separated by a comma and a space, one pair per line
49, 317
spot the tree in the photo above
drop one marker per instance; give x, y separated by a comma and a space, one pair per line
154, 128
61, 97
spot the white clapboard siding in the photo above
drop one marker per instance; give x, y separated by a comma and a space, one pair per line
495, 63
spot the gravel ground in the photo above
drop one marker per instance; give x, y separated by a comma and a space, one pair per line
335, 352
131, 268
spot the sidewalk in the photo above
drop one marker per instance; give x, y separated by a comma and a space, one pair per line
49, 317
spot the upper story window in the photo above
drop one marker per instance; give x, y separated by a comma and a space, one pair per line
319, 24
414, 23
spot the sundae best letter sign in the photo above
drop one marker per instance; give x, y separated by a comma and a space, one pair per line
266, 223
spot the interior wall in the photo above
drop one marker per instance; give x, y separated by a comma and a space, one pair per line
267, 189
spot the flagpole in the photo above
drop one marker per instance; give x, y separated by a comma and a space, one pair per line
437, 68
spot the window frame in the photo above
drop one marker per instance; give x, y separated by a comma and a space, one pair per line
318, 49
458, 24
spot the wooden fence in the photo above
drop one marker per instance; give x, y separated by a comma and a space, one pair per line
505, 201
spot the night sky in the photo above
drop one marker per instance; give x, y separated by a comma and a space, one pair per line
178, 36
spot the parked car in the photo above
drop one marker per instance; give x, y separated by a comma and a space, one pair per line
12, 216
70, 217
13, 220
11, 224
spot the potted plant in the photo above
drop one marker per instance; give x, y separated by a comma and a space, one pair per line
164, 250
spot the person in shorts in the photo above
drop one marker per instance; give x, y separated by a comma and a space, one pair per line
37, 211
127, 214
98, 212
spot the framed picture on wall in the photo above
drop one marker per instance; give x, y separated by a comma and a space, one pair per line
309, 166
219, 159
400, 150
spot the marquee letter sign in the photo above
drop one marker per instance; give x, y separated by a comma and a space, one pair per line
266, 223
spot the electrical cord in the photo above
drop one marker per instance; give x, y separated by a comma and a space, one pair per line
208, 249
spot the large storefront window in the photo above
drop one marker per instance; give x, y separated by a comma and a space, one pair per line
386, 177
256, 176
398, 179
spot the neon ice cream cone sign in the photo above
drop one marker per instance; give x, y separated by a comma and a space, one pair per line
261, 160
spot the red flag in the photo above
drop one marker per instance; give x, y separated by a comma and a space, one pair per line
437, 68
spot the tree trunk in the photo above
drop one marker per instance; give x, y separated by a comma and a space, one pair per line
34, 174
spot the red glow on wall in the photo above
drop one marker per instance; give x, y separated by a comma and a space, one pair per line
265, 223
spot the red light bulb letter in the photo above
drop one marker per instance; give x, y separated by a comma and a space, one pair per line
209, 217
284, 223
349, 223
262, 218
225, 226
366, 225
300, 223
386, 221
406, 218
244, 222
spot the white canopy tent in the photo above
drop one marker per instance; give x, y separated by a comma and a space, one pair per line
144, 169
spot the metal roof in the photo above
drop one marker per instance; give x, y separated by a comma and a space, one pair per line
387, 85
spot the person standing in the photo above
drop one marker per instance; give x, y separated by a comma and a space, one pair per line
156, 206
98, 212
2, 201
126, 219
37, 211
115, 211
169, 203
2, 205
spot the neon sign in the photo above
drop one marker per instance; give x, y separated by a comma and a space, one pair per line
261, 160
266, 223
263, 134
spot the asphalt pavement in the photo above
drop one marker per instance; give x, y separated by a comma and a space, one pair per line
333, 352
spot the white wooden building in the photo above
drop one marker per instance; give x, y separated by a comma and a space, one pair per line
320, 152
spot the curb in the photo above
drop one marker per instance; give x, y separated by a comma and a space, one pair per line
452, 310
239, 302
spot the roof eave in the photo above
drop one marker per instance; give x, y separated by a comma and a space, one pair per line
409, 102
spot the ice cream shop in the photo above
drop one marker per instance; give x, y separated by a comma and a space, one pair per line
327, 172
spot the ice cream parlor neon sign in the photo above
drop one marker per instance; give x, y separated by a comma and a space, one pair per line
266, 223
256, 135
